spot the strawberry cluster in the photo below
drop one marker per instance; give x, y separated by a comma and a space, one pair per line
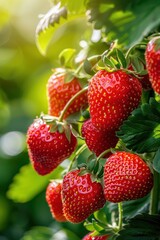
109, 97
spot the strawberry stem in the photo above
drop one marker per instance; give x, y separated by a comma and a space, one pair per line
70, 102
78, 152
141, 45
145, 97
155, 193
105, 152
120, 212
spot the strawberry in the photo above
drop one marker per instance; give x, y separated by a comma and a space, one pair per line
59, 93
89, 237
47, 149
112, 96
152, 56
96, 139
126, 177
54, 200
81, 196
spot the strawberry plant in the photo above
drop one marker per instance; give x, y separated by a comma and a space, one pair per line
101, 132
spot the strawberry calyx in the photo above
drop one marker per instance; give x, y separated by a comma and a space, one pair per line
115, 59
95, 165
69, 69
56, 125
92, 166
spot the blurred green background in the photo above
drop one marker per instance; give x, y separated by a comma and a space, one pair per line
23, 76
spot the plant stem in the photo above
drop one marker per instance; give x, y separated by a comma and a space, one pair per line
70, 102
80, 150
104, 153
145, 97
120, 212
133, 47
155, 193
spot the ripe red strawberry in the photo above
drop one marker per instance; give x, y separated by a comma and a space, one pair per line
126, 177
152, 56
98, 140
47, 149
112, 96
81, 196
54, 200
59, 93
89, 237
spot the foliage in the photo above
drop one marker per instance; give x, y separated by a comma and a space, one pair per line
141, 131
142, 226
128, 21
24, 181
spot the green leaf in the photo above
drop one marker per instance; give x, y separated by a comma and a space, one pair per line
137, 65
100, 171
97, 225
156, 161
121, 58
38, 233
89, 226
127, 21
45, 233
143, 226
67, 132
91, 164
66, 57
96, 167
46, 26
56, 18
141, 131
65, 234
22, 188
109, 62
74, 6
100, 215
75, 132
88, 67
68, 77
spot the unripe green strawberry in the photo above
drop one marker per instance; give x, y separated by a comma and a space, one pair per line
126, 177
112, 96
59, 93
89, 237
152, 56
54, 200
81, 196
47, 149
98, 140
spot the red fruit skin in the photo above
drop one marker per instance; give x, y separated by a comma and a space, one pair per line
81, 197
59, 93
152, 56
112, 96
98, 140
89, 237
126, 177
47, 149
54, 200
